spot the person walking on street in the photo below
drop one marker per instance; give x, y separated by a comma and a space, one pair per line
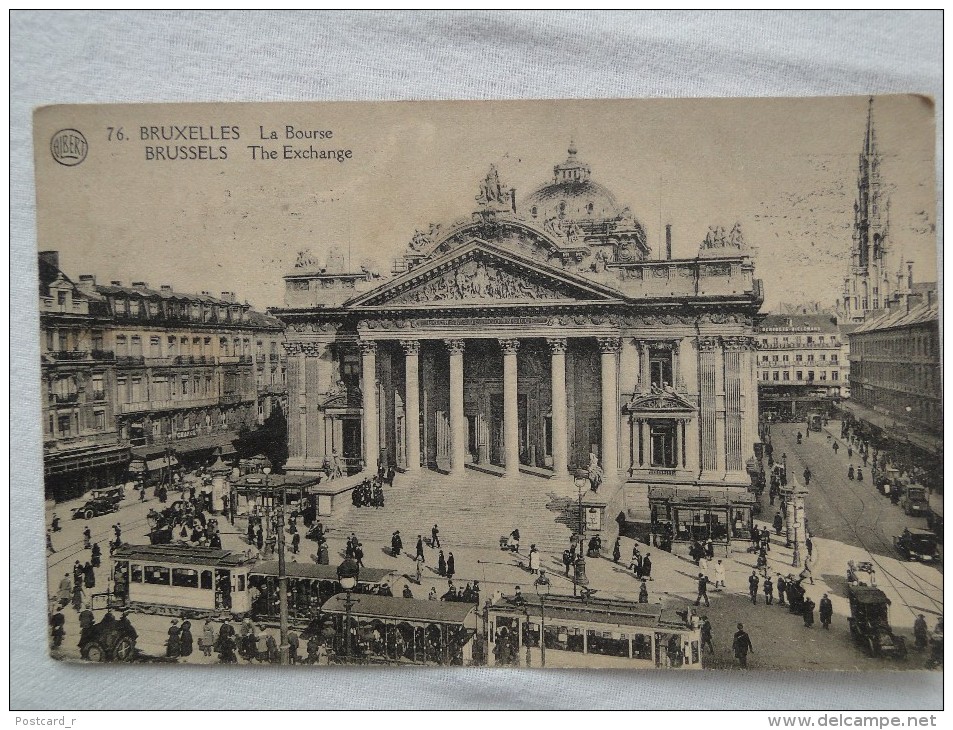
643, 592
420, 569
358, 554
753, 582
647, 567
567, 561
636, 565
782, 587
435, 537
719, 576
741, 645
836, 447
850, 472
616, 551
207, 640
185, 639
442, 565
295, 543
87, 538
702, 590
706, 633
807, 476
451, 565
420, 546
778, 523
920, 633
396, 544
49, 543
294, 641
533, 560
173, 646
808, 613
768, 591
826, 612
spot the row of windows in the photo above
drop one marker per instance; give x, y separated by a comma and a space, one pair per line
135, 307
160, 575
797, 358
799, 375
900, 343
796, 340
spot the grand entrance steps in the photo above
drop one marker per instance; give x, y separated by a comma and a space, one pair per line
472, 510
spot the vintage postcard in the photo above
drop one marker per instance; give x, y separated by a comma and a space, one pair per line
605, 384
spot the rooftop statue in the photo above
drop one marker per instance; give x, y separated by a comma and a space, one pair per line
306, 260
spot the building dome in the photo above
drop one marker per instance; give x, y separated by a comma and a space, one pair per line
571, 195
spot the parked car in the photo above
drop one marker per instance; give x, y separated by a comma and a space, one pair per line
94, 507
914, 500
916, 544
869, 624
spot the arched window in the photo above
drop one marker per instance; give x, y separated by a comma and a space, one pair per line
589, 208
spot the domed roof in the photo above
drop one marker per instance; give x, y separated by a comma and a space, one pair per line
571, 194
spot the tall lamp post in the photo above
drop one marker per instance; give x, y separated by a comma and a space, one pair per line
348, 573
270, 499
542, 590
581, 479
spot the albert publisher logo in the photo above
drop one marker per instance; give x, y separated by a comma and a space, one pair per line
69, 147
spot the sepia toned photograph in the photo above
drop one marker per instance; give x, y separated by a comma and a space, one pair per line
607, 384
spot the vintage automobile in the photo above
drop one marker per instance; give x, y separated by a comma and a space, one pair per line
116, 494
95, 506
869, 624
916, 544
914, 500
110, 640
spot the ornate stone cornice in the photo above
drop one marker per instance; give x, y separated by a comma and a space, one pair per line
671, 345
610, 345
368, 347
411, 347
311, 349
455, 347
509, 346
293, 348
557, 345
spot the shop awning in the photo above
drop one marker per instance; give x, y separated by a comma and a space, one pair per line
137, 466
893, 428
205, 442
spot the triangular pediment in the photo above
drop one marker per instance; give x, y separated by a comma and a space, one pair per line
659, 402
481, 274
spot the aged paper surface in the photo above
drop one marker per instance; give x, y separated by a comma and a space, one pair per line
492, 383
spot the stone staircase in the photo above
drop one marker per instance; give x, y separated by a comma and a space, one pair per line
473, 510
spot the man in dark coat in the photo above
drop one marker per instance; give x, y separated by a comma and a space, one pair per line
808, 613
741, 645
706, 634
442, 564
396, 544
768, 590
782, 589
702, 589
420, 547
826, 611
647, 567
921, 633
434, 537
616, 551
451, 565
807, 475
89, 575
778, 523
753, 582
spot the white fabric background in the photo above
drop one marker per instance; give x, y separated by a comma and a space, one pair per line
97, 57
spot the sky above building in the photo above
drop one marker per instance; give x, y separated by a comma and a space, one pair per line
785, 169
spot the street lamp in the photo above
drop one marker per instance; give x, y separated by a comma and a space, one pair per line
542, 590
283, 648
581, 479
348, 573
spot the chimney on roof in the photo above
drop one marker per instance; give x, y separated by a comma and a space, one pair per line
116, 282
140, 285
668, 241
52, 258
166, 288
87, 282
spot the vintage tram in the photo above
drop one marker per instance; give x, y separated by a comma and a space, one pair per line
622, 633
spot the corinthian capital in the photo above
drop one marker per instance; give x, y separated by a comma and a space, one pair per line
708, 344
610, 345
509, 346
455, 347
411, 347
557, 345
368, 347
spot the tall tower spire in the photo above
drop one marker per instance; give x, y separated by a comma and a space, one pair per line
865, 290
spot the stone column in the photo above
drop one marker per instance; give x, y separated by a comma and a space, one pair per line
511, 426
560, 435
708, 400
609, 347
369, 392
458, 422
412, 402
645, 371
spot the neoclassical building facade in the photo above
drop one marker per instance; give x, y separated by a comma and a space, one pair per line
527, 338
